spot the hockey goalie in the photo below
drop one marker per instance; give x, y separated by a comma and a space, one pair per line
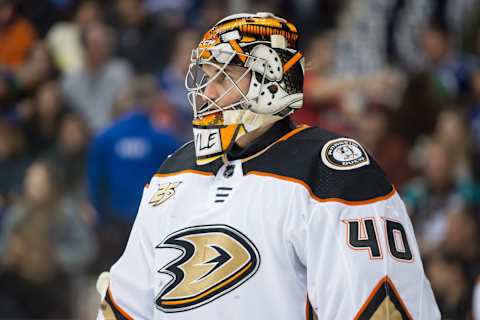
259, 218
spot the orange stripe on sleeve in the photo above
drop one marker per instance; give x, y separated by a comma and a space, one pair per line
384, 281
370, 296
117, 307
307, 311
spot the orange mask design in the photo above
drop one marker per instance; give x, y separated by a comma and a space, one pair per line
269, 87
213, 138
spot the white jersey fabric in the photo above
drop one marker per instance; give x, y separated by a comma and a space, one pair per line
476, 300
298, 230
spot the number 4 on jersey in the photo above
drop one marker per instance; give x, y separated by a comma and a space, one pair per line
362, 235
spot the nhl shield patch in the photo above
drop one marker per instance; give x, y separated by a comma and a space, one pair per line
344, 154
165, 191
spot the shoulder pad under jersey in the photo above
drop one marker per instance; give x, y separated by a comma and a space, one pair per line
331, 166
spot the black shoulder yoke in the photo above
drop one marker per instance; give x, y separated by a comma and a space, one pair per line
300, 157
332, 166
182, 159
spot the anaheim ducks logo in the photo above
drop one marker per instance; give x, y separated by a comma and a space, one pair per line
215, 260
165, 191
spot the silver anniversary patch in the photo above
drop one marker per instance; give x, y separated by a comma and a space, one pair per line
344, 154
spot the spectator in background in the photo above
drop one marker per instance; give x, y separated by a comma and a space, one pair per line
69, 155
43, 240
121, 161
473, 119
44, 203
64, 37
207, 12
93, 89
461, 239
451, 71
390, 150
165, 118
460, 243
333, 101
450, 286
141, 39
43, 14
323, 94
172, 78
17, 36
163, 115
474, 110
36, 288
38, 69
417, 113
433, 193
452, 132
13, 162
42, 121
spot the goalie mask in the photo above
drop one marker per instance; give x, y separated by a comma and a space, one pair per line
246, 73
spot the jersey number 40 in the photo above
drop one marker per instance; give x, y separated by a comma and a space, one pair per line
362, 235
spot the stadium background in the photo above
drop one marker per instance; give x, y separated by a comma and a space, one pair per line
92, 101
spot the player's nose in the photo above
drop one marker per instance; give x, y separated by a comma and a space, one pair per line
212, 91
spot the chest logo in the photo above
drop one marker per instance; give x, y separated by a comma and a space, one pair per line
215, 260
165, 191
344, 154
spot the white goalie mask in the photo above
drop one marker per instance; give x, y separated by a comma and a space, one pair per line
254, 60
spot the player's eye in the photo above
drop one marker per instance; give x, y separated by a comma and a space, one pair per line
224, 77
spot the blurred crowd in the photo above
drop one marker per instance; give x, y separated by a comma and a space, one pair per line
92, 101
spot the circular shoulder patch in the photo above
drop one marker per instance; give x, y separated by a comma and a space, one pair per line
344, 154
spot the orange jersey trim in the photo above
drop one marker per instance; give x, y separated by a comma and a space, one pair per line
283, 138
385, 279
117, 307
306, 186
293, 132
310, 314
202, 173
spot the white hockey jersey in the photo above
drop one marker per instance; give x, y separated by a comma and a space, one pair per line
303, 224
476, 300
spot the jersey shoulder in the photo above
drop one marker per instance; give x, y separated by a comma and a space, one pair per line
182, 159
332, 166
